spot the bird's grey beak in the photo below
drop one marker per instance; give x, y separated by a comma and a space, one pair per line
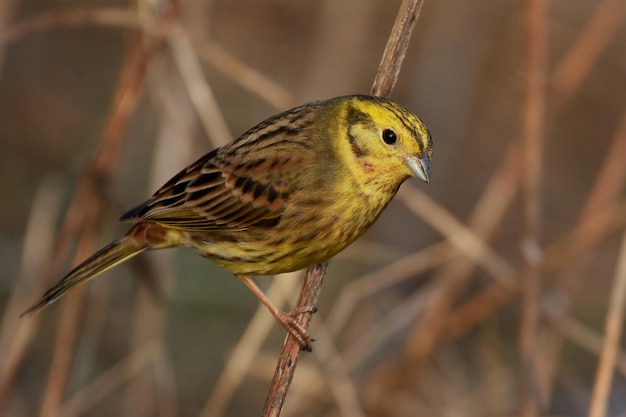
419, 166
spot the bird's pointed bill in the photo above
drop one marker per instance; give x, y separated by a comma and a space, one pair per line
420, 167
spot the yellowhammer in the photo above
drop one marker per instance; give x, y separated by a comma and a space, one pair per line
292, 191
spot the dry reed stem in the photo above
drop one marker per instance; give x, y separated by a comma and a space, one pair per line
536, 34
199, 91
386, 79
613, 328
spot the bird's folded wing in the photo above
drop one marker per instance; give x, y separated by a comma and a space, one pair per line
213, 195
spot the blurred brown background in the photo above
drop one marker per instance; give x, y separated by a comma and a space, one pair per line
421, 317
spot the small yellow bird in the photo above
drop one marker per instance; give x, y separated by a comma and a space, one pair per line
292, 191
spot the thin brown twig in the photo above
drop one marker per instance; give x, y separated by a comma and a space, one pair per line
397, 45
613, 327
286, 366
386, 78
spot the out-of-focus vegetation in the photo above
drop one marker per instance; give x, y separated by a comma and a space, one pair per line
421, 317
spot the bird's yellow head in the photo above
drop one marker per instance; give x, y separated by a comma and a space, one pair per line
388, 142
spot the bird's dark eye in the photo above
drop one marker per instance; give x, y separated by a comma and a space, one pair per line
389, 136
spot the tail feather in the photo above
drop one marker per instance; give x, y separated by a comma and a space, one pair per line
105, 258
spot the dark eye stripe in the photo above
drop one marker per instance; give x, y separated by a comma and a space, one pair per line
403, 115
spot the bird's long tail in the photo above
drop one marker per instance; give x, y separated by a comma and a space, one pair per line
107, 257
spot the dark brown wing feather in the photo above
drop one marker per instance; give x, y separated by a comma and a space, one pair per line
246, 184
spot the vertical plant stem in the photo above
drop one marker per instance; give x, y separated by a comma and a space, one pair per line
286, 366
533, 129
397, 45
613, 327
